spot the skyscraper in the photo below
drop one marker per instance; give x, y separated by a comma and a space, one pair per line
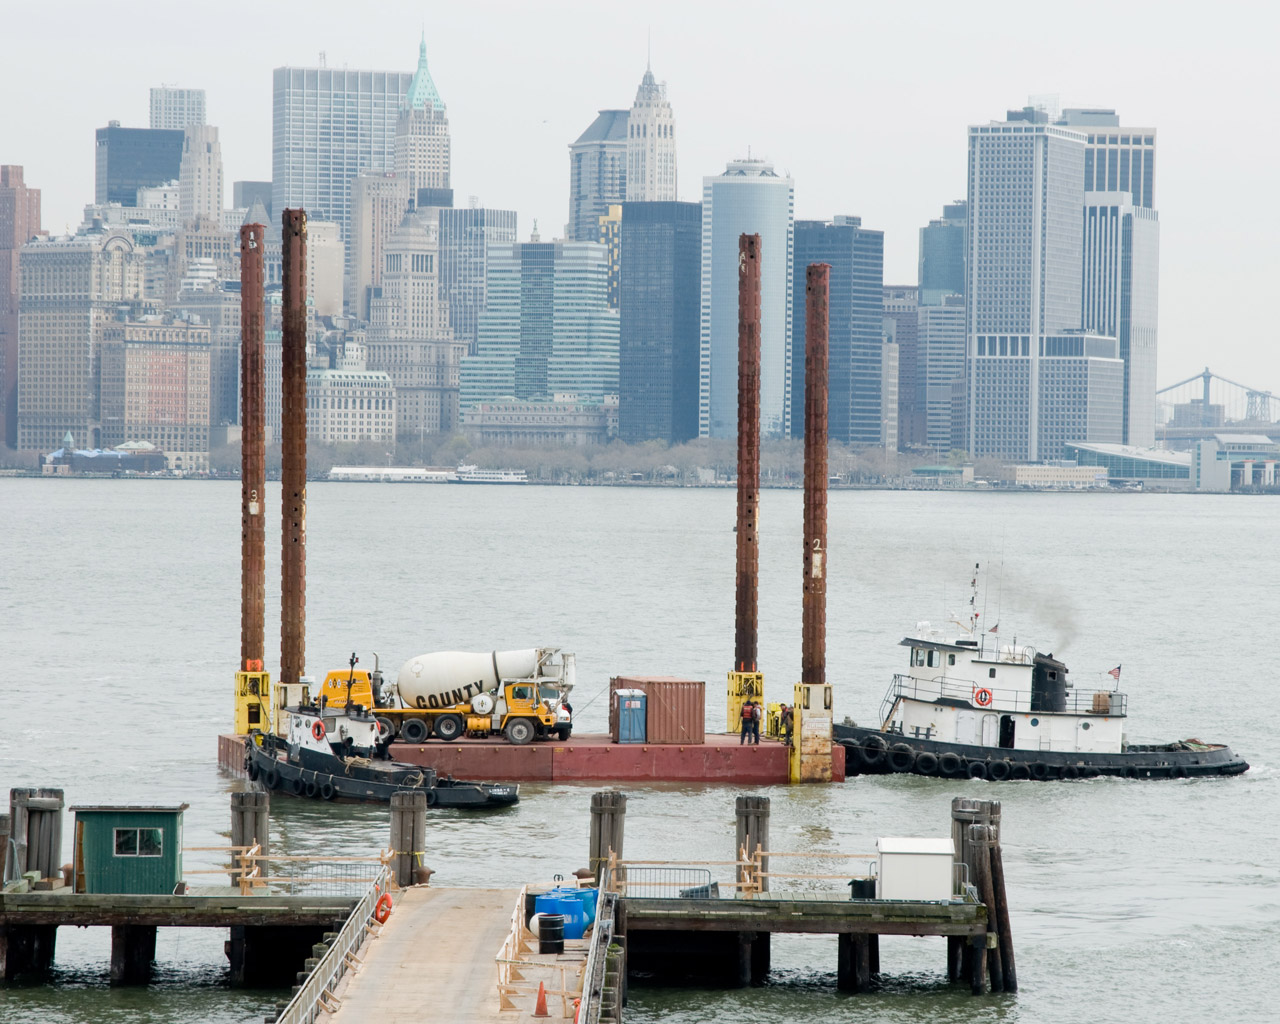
465, 238
19, 221
940, 346
611, 238
1025, 257
71, 289
176, 109
1116, 159
901, 309
651, 144
597, 173
327, 126
748, 198
200, 182
942, 254
1120, 298
547, 329
127, 159
378, 203
409, 337
857, 410
422, 133
659, 322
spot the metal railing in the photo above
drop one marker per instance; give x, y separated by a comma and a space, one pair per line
316, 993
251, 870
593, 972
1076, 702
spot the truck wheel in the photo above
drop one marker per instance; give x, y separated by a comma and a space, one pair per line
563, 732
449, 727
519, 731
414, 730
386, 729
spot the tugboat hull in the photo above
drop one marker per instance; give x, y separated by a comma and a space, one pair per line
328, 777
872, 752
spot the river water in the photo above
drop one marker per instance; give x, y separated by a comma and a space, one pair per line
1131, 901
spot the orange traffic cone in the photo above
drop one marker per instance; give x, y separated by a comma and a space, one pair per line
540, 1007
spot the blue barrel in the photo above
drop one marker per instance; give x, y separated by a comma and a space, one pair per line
567, 906
587, 898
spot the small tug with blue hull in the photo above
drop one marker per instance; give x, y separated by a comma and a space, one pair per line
973, 706
336, 753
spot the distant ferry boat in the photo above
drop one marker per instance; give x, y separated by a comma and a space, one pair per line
391, 474
476, 475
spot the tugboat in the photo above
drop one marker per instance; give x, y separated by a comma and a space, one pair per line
335, 753
973, 706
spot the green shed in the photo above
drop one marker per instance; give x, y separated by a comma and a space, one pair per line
128, 850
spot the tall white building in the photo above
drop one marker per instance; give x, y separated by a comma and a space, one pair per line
651, 144
379, 200
748, 198
324, 267
200, 184
328, 125
422, 133
176, 109
940, 347
1121, 298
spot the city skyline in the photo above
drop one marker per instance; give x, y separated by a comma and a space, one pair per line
902, 105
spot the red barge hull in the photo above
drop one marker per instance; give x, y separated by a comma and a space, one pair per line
590, 758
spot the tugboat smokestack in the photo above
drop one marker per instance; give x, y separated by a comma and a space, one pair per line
813, 658
293, 468
746, 620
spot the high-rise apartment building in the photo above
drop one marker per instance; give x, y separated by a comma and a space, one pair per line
328, 125
71, 289
154, 386
651, 144
900, 307
942, 255
1121, 298
659, 321
175, 109
748, 198
19, 223
127, 159
858, 412
409, 337
547, 329
421, 146
200, 186
466, 236
597, 173
1025, 258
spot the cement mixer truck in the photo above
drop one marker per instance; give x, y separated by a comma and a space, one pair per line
522, 695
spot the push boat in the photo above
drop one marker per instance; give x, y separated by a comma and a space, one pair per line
335, 753
973, 706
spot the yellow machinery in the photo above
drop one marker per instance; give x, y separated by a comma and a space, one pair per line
810, 753
253, 701
743, 686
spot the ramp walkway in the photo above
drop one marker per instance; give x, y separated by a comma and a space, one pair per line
433, 961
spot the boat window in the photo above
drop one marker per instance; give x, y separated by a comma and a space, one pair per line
991, 673
951, 659
935, 659
917, 656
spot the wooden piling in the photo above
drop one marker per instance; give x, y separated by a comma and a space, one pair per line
980, 839
752, 834
35, 825
1003, 926
408, 834
608, 821
133, 951
250, 825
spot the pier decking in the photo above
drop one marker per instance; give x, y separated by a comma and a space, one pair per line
590, 758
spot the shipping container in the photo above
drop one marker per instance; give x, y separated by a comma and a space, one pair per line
676, 707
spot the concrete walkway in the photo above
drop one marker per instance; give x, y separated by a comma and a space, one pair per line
433, 962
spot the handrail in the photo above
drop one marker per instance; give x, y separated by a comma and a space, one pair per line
316, 993
1080, 702
589, 1010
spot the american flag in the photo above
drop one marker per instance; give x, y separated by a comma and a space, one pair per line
1115, 673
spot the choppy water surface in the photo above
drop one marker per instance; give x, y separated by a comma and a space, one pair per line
1158, 901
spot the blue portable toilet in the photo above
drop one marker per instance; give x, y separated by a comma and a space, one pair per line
631, 716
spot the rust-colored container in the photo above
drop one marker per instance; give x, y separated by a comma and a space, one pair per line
676, 707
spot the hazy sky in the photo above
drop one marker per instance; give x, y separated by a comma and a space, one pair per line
865, 106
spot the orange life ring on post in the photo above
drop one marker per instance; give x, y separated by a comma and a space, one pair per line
382, 910
983, 697
317, 729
